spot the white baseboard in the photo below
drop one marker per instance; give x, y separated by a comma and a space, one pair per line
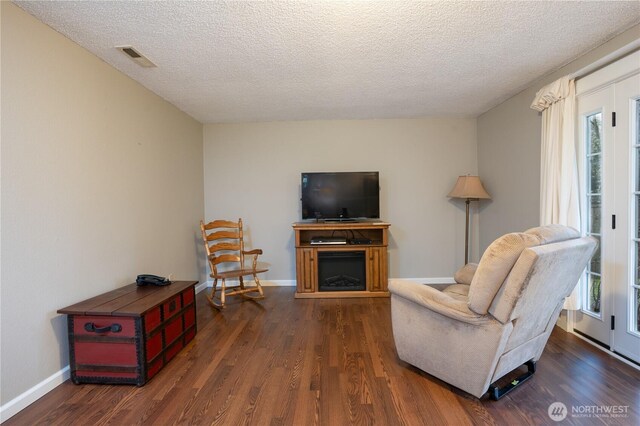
29, 396
613, 354
265, 283
202, 286
434, 280
292, 283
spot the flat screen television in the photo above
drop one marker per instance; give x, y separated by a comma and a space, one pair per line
340, 195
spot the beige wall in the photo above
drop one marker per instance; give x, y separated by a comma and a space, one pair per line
509, 151
253, 171
101, 181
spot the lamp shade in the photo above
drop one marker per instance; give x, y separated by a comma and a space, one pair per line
469, 187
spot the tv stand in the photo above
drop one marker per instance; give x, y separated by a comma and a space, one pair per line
368, 238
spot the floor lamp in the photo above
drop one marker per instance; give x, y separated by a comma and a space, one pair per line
469, 188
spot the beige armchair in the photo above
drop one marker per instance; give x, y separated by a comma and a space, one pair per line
498, 316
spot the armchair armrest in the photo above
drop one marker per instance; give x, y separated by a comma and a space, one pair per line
437, 301
465, 274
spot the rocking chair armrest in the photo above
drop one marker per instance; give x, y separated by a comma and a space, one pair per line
254, 251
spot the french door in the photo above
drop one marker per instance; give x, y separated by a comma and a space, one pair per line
626, 302
609, 147
597, 175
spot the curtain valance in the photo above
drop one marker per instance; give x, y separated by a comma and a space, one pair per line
552, 93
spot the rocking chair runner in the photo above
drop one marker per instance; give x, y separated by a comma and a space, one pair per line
224, 244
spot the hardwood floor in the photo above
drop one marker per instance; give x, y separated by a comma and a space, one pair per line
330, 362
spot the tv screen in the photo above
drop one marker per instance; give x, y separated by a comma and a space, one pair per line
340, 195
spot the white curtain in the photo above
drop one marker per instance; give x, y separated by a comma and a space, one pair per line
559, 187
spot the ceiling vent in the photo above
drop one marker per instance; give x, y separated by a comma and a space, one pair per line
136, 56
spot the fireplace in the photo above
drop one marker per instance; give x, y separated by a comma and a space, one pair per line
341, 271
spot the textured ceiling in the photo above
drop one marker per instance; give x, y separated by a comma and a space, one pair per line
223, 61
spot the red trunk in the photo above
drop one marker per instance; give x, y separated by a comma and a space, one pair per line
129, 334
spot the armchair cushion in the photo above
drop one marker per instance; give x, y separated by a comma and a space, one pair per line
458, 291
495, 265
465, 274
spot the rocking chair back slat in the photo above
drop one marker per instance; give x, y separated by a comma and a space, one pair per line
223, 235
221, 224
223, 246
225, 258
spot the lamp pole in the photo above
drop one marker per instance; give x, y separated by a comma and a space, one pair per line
466, 234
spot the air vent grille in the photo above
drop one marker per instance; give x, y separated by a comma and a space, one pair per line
136, 56
129, 51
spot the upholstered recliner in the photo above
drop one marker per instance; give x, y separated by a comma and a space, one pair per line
498, 316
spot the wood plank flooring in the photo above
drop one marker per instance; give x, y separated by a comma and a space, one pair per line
284, 361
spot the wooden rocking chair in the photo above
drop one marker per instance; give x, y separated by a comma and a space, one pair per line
223, 242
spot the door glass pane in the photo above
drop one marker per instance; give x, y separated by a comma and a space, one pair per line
637, 216
637, 168
637, 129
636, 264
595, 208
595, 260
593, 299
596, 179
637, 309
593, 142
594, 123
